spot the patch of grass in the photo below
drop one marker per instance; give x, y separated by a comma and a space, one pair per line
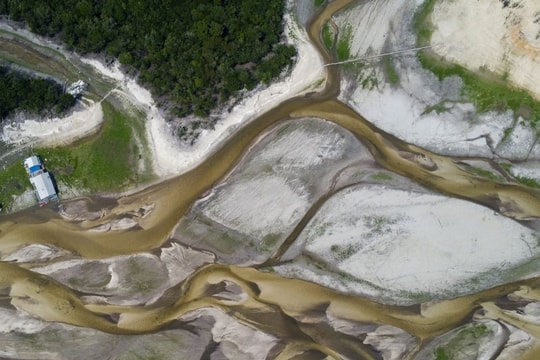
416, 296
507, 133
105, 162
382, 176
390, 70
327, 36
378, 225
269, 242
316, 84
530, 182
318, 2
369, 82
343, 48
343, 252
13, 181
506, 166
486, 93
366, 76
422, 22
466, 341
440, 354
485, 174
438, 108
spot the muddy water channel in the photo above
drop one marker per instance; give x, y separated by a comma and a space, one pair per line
125, 242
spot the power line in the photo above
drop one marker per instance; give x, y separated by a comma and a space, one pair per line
380, 55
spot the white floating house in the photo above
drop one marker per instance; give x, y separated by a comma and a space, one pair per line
77, 88
40, 180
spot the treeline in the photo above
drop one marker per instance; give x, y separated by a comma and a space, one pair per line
195, 52
18, 91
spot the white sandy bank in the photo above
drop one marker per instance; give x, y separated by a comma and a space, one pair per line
55, 131
486, 34
171, 158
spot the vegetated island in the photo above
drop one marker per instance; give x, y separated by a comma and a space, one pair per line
192, 54
24, 93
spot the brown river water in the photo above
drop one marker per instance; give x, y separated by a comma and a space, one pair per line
274, 304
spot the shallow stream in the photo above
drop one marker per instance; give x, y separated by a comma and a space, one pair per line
295, 311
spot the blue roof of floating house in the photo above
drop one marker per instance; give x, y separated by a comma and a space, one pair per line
35, 168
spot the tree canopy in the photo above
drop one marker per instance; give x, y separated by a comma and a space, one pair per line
19, 91
196, 53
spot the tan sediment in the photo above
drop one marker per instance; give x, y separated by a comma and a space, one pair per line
518, 39
266, 293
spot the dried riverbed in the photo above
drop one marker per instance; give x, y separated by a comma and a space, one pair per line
140, 274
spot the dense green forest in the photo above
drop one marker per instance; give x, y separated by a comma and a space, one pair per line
197, 53
18, 91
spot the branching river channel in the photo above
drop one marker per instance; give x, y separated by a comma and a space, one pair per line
294, 311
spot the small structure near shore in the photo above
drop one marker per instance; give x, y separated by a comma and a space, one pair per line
77, 88
41, 180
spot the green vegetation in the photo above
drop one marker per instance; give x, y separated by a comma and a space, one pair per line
440, 354
422, 23
195, 53
466, 341
507, 133
268, 243
485, 90
318, 2
343, 253
485, 93
343, 48
378, 225
368, 79
390, 70
13, 181
485, 174
327, 36
527, 181
102, 163
106, 161
438, 108
365, 75
30, 94
530, 182
381, 176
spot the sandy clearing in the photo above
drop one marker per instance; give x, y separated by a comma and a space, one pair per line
237, 341
405, 243
409, 241
35, 253
519, 342
15, 321
264, 205
112, 72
